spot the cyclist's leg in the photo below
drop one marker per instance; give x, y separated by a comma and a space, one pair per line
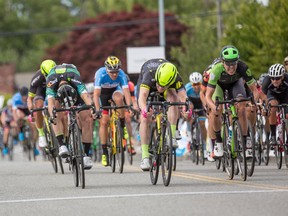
39, 103
272, 100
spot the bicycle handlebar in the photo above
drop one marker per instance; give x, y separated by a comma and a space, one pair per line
233, 101
72, 108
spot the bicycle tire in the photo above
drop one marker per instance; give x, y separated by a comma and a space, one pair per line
79, 153
166, 153
27, 142
278, 148
174, 159
10, 146
111, 151
194, 155
56, 146
154, 156
129, 154
251, 161
227, 161
75, 171
240, 150
218, 163
200, 149
258, 142
120, 156
48, 149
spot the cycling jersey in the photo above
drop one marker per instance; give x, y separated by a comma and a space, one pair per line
219, 76
17, 102
106, 84
38, 85
8, 114
267, 86
147, 77
64, 72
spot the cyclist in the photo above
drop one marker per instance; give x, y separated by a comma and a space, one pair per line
128, 117
20, 112
7, 121
193, 93
286, 64
37, 94
64, 87
110, 83
229, 74
275, 87
158, 75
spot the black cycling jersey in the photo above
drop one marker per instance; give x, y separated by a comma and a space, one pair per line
267, 86
147, 76
37, 85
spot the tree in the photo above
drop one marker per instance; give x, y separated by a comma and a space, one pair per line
88, 48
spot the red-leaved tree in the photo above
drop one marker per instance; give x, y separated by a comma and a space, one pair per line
94, 39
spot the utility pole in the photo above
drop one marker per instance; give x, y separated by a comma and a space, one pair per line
219, 21
161, 23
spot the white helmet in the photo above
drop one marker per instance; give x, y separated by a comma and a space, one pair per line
276, 70
195, 77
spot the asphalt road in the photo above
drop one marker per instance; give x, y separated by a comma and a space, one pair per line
32, 188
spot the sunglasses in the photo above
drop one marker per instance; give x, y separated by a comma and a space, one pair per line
113, 72
232, 63
162, 87
275, 78
196, 84
286, 63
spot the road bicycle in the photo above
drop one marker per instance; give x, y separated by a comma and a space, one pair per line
161, 143
262, 146
116, 141
29, 144
75, 145
52, 149
197, 142
281, 147
233, 141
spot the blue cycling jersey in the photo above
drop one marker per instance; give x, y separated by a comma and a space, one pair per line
17, 101
190, 91
104, 82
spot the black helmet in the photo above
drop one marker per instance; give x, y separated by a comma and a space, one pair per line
23, 91
67, 95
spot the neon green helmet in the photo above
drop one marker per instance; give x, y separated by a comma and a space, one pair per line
46, 66
166, 74
229, 53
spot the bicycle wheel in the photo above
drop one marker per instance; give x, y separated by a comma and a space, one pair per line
250, 142
240, 149
79, 154
174, 159
227, 161
166, 153
129, 154
265, 147
200, 144
218, 162
120, 156
278, 148
10, 146
258, 143
111, 151
55, 151
50, 148
27, 142
154, 156
193, 146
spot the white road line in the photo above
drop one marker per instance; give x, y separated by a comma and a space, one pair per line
142, 195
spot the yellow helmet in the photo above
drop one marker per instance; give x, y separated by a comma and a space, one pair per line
46, 66
112, 63
166, 74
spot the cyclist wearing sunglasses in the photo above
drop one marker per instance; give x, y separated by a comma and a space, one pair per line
229, 75
286, 63
110, 83
275, 87
158, 75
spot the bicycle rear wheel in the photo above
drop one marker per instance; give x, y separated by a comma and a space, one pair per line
154, 156
50, 148
166, 153
250, 142
200, 143
79, 155
10, 146
258, 143
240, 150
129, 154
174, 159
111, 151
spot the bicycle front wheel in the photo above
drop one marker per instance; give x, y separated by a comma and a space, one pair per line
154, 156
250, 149
166, 153
227, 161
120, 149
240, 149
10, 146
278, 149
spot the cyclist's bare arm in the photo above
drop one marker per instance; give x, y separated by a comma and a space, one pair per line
127, 96
86, 98
143, 95
209, 101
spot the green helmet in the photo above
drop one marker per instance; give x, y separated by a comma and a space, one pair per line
229, 53
46, 66
166, 74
